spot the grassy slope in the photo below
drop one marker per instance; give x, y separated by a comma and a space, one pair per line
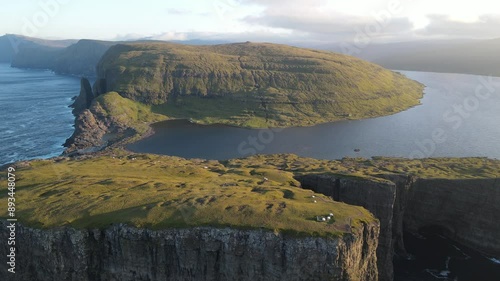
217, 84
125, 112
160, 191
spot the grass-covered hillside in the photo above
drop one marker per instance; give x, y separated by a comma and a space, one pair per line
254, 85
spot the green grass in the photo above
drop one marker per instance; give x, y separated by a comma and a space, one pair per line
431, 168
159, 192
123, 113
255, 85
162, 192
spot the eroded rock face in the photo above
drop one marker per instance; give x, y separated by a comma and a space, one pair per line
84, 99
95, 128
125, 253
467, 209
88, 134
377, 197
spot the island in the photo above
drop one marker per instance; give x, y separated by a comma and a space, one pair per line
255, 85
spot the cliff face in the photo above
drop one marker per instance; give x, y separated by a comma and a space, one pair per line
77, 59
190, 254
35, 56
81, 58
377, 197
11, 46
466, 209
84, 99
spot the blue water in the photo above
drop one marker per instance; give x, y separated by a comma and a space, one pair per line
34, 113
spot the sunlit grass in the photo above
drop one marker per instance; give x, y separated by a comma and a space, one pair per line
255, 85
159, 191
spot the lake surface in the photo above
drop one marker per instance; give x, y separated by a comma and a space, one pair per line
34, 113
458, 117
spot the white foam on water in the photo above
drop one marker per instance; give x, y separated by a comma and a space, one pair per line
462, 252
443, 274
494, 260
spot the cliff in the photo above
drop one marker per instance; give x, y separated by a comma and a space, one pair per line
261, 196
453, 56
81, 58
35, 56
190, 254
78, 58
107, 121
189, 220
376, 196
465, 210
11, 45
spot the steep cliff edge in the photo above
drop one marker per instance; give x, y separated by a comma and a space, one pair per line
125, 253
259, 194
376, 196
11, 45
63, 57
467, 210
190, 220
106, 121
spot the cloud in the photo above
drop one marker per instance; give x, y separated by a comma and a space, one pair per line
178, 12
487, 26
165, 36
330, 24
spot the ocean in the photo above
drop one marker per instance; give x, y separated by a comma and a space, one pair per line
34, 113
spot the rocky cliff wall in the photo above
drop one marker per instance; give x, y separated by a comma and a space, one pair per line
466, 209
125, 253
377, 197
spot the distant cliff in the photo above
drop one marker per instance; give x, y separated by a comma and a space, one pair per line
130, 254
11, 45
77, 59
470, 57
81, 58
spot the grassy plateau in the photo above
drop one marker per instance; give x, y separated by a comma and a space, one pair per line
161, 191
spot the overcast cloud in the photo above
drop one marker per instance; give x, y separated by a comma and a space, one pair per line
487, 26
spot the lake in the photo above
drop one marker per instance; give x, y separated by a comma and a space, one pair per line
458, 117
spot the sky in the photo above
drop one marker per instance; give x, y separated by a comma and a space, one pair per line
321, 21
